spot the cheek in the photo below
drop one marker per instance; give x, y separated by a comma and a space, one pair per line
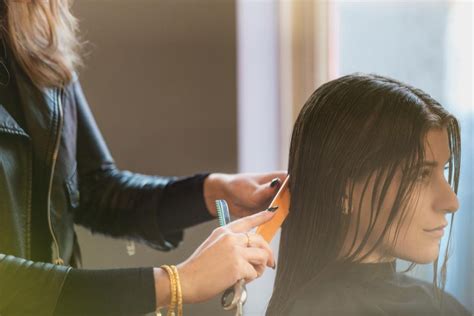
416, 247
407, 240
366, 210
385, 211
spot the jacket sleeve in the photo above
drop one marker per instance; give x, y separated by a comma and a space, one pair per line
23, 285
150, 209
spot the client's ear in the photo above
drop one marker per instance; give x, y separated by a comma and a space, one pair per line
346, 205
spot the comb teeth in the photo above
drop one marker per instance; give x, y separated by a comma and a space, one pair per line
219, 213
222, 212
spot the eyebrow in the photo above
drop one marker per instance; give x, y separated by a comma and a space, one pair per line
429, 163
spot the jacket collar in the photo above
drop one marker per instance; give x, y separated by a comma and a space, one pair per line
41, 113
8, 124
40, 106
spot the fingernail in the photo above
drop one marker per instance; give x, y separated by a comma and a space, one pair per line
274, 266
272, 209
275, 183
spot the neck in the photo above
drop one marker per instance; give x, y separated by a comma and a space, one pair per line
376, 256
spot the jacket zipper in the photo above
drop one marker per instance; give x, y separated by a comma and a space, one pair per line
58, 260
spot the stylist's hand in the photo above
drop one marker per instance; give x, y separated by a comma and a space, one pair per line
245, 193
222, 260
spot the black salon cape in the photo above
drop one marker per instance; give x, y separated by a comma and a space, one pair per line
371, 289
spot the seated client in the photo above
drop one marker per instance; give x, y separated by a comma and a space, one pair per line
374, 168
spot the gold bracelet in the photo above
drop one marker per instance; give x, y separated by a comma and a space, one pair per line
172, 278
179, 293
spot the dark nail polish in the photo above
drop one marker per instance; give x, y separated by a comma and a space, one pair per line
274, 266
272, 209
275, 183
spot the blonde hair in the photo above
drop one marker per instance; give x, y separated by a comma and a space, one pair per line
42, 34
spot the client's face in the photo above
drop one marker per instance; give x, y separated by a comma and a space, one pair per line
416, 233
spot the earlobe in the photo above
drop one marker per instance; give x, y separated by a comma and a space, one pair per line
345, 205
345, 199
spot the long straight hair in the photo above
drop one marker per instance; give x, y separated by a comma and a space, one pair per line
42, 35
355, 127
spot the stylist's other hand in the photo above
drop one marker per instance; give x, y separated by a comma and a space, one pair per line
245, 193
220, 261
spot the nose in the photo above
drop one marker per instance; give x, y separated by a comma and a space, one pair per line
447, 200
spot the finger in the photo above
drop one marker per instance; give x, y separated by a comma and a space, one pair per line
265, 192
255, 242
260, 269
245, 224
257, 257
268, 177
216, 234
249, 272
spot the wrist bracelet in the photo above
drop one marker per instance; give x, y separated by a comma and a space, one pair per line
175, 289
178, 292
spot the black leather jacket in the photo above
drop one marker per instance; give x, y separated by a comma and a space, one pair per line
79, 184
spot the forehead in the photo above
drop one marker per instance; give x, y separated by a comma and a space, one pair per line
437, 145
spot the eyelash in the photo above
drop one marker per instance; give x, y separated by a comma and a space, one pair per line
427, 172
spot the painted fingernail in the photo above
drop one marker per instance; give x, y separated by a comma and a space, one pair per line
272, 209
275, 183
274, 266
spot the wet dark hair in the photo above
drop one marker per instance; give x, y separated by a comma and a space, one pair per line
353, 127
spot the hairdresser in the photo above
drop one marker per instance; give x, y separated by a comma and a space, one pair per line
56, 171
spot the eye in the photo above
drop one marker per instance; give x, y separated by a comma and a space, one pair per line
425, 174
446, 171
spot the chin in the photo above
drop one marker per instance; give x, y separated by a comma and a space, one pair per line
422, 254
424, 260
426, 256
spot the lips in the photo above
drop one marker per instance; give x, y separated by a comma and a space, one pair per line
441, 227
437, 231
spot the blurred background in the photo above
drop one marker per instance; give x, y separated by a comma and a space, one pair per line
161, 81
185, 86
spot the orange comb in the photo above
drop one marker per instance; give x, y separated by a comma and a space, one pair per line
282, 200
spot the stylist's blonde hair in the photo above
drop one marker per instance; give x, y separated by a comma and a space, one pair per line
42, 36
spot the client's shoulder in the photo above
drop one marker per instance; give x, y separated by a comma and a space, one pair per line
416, 286
337, 297
400, 294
